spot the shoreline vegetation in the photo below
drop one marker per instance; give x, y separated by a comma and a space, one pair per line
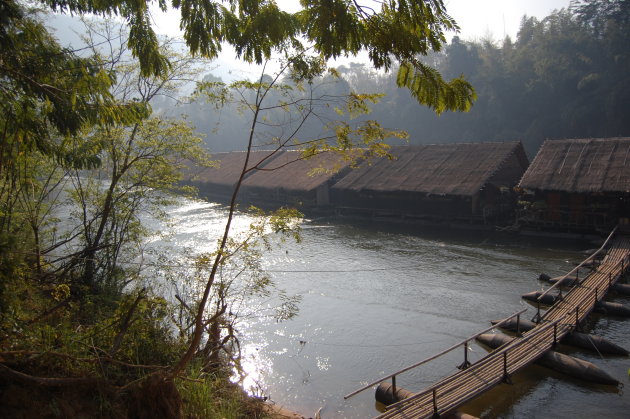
57, 361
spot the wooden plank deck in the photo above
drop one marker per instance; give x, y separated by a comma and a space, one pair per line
453, 391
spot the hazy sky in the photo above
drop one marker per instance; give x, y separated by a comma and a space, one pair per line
497, 17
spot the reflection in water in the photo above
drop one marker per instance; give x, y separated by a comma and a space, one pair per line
376, 299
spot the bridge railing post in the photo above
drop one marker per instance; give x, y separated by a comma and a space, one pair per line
536, 318
464, 365
435, 405
394, 388
577, 318
555, 334
506, 375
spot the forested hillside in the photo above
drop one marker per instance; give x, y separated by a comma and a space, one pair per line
565, 76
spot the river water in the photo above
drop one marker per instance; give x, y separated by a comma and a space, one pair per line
377, 298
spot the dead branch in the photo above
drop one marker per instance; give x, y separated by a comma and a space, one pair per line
47, 381
97, 359
50, 311
126, 323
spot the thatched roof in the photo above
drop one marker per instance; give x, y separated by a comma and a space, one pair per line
288, 171
581, 165
439, 169
229, 167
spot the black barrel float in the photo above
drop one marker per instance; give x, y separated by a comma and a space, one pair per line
580, 340
523, 325
566, 364
385, 394
589, 264
577, 368
569, 281
493, 340
613, 309
594, 343
547, 299
623, 289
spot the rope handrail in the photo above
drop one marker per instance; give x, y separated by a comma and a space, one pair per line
487, 359
591, 257
431, 358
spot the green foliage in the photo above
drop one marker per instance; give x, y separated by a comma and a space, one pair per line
210, 397
400, 31
48, 90
428, 87
564, 76
311, 110
115, 341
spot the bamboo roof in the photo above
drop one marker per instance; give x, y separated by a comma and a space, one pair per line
440, 169
581, 165
290, 172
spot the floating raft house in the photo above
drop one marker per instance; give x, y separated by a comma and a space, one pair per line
465, 182
289, 179
578, 184
218, 182
280, 178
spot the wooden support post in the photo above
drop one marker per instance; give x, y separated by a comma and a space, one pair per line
506, 376
609, 279
596, 299
435, 408
577, 318
464, 365
518, 323
555, 334
394, 388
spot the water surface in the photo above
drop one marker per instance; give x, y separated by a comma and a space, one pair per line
376, 299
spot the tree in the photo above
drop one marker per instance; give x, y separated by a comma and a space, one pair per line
48, 92
299, 99
401, 31
141, 162
80, 305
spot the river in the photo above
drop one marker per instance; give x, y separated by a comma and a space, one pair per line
376, 298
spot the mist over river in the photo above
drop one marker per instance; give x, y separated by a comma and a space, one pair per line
377, 298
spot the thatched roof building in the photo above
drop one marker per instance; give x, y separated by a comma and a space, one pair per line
436, 169
289, 179
279, 178
581, 166
437, 180
578, 184
218, 181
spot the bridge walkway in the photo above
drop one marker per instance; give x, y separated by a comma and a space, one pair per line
562, 318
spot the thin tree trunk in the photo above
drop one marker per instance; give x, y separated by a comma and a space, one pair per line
199, 323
